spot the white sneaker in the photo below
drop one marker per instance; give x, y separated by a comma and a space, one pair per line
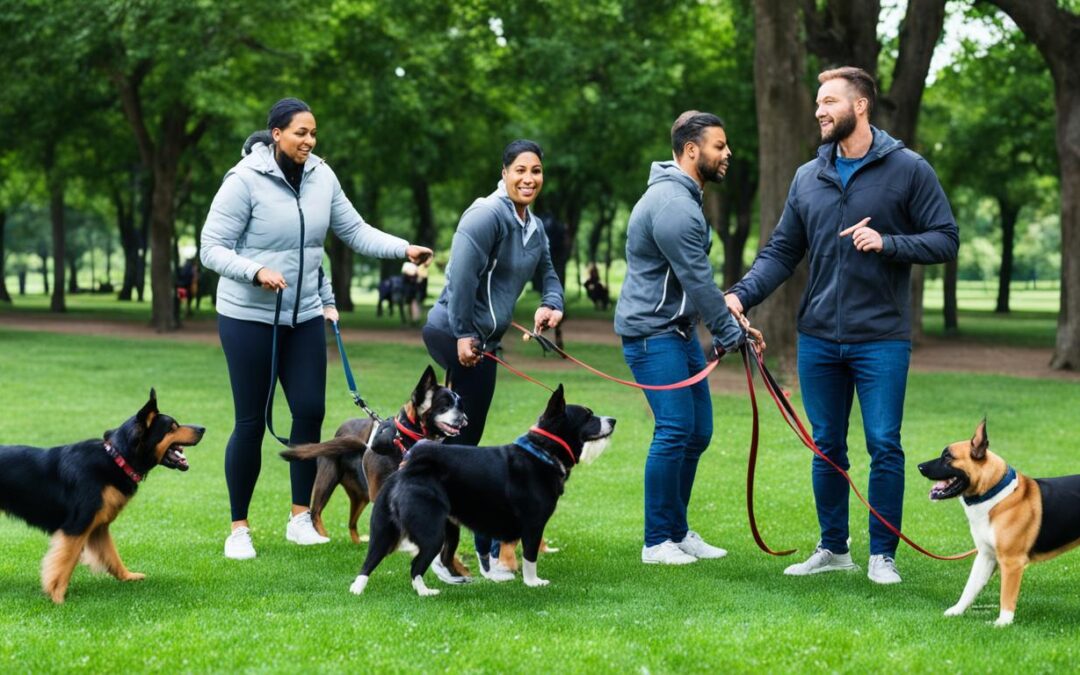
823, 560
882, 570
667, 553
301, 531
694, 545
494, 571
238, 545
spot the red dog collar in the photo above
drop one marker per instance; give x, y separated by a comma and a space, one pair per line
563, 444
122, 463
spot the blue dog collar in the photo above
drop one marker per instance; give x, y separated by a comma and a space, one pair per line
1010, 476
525, 444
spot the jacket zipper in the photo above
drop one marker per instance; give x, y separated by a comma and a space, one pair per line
300, 275
491, 303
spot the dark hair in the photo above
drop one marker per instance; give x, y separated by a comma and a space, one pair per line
519, 146
859, 79
282, 112
689, 127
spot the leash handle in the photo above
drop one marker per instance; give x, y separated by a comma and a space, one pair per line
269, 410
548, 345
792, 418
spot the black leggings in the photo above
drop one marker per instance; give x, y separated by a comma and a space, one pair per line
476, 386
302, 373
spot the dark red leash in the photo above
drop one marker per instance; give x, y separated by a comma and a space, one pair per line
504, 364
793, 421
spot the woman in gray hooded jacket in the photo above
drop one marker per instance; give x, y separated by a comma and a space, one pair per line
264, 235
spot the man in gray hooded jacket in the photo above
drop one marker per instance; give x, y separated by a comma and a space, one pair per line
668, 286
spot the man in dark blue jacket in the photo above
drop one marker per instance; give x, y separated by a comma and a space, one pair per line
668, 286
863, 210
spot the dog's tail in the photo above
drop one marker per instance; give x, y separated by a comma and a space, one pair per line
335, 447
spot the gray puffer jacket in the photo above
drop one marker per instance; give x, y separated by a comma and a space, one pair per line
257, 220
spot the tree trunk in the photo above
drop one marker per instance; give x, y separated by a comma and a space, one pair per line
785, 131
56, 214
145, 216
45, 270
425, 216
1055, 31
162, 314
1009, 213
73, 274
949, 309
4, 295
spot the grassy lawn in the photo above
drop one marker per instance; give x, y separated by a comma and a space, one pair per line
290, 609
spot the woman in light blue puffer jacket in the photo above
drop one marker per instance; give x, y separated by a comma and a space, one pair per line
264, 235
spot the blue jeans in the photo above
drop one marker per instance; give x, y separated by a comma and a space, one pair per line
683, 429
829, 374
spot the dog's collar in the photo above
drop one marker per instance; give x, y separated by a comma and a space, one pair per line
122, 463
563, 444
525, 444
412, 435
1010, 476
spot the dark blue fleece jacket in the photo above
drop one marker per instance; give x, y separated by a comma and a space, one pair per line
854, 296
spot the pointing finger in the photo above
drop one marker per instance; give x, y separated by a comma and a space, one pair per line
861, 223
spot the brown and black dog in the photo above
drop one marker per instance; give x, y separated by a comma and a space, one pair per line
360, 457
74, 492
1015, 520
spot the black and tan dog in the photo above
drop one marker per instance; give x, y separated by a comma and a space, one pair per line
76, 491
507, 492
1015, 520
360, 457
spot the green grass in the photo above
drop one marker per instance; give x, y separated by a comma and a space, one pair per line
290, 609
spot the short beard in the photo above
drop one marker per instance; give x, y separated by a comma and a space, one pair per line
842, 128
709, 174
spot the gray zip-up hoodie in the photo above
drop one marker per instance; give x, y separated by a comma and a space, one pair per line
490, 263
669, 279
257, 220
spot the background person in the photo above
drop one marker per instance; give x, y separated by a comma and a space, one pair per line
498, 246
264, 234
669, 285
864, 209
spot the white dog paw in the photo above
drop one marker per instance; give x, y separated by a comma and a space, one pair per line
421, 588
358, 585
533, 583
955, 610
1004, 619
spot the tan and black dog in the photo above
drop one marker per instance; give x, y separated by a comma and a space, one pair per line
1015, 520
76, 491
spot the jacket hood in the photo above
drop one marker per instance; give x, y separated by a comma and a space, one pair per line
661, 172
261, 159
882, 145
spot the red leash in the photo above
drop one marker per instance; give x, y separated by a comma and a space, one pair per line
515, 371
547, 344
793, 421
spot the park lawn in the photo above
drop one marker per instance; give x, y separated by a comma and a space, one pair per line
290, 609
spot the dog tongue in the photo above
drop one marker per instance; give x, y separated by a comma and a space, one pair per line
939, 487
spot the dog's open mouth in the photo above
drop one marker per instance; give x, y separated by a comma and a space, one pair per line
950, 487
174, 458
447, 429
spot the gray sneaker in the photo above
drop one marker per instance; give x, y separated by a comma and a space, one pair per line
882, 570
822, 560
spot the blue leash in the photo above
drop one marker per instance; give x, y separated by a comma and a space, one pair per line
349, 379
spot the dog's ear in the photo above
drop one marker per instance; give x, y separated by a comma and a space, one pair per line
980, 442
556, 404
424, 388
446, 381
145, 417
108, 432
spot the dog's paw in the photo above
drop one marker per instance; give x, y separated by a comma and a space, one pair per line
358, 585
421, 588
955, 610
534, 583
1004, 619
133, 576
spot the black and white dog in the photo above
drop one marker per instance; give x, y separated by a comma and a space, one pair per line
507, 492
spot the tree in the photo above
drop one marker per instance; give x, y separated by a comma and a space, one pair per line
1055, 31
990, 129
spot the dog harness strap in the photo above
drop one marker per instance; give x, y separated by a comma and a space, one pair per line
563, 444
122, 463
1010, 476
